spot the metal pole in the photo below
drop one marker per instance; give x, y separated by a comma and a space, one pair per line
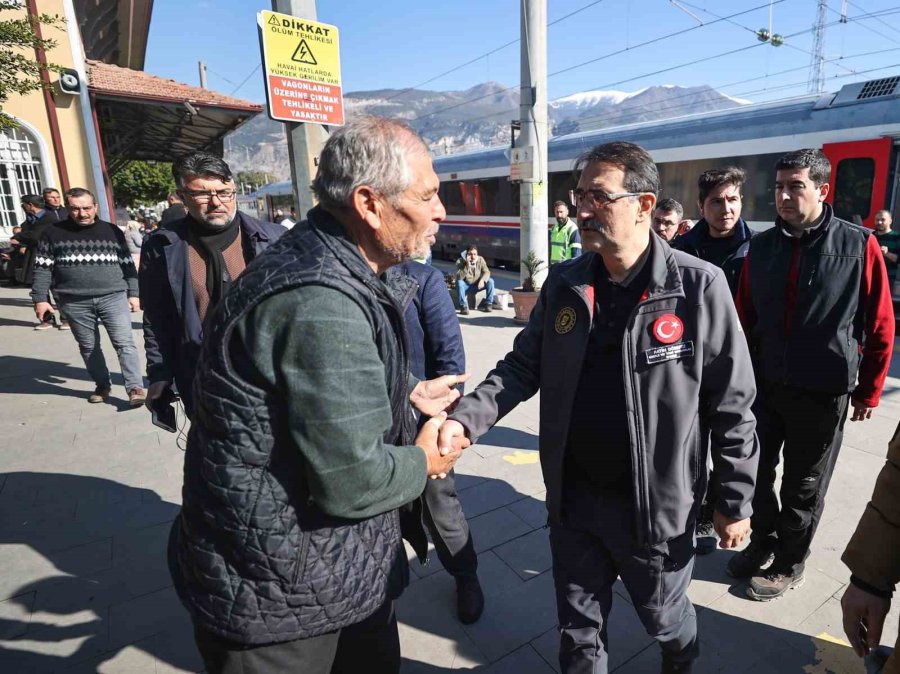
305, 141
202, 66
534, 213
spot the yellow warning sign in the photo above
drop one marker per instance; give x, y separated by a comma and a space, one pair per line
302, 69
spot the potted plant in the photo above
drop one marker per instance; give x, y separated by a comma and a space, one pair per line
525, 297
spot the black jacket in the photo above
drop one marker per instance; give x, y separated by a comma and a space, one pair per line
172, 328
702, 380
695, 243
29, 237
253, 557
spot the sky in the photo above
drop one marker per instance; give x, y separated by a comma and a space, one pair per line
590, 44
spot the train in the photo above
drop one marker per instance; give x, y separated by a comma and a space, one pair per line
857, 127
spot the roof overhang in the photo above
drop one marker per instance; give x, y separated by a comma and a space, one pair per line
144, 117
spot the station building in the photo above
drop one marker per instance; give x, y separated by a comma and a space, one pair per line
104, 110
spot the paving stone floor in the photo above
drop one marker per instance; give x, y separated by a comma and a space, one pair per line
88, 492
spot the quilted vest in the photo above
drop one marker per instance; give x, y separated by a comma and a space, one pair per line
253, 558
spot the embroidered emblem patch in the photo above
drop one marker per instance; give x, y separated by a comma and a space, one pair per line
565, 320
668, 329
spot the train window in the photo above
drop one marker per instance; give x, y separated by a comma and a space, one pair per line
451, 196
561, 182
853, 183
488, 190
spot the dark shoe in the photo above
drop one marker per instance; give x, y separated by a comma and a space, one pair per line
464, 310
706, 537
100, 394
748, 562
469, 600
773, 585
137, 397
44, 325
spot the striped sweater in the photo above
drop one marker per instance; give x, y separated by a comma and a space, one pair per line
83, 261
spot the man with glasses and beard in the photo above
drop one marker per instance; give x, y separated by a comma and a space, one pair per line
187, 266
651, 337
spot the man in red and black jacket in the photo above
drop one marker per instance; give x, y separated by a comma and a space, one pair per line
815, 302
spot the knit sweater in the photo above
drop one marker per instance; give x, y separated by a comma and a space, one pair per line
83, 261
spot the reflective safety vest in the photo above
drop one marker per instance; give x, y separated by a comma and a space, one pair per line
564, 242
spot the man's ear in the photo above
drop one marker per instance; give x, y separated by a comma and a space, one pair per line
367, 206
648, 204
824, 189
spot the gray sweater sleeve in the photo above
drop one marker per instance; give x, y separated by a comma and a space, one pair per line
43, 271
315, 348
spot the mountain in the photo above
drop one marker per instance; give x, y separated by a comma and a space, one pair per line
451, 121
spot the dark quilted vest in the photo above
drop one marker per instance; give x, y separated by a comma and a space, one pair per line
253, 558
822, 351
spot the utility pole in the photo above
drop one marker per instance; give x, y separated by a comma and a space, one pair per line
305, 141
533, 136
816, 82
202, 66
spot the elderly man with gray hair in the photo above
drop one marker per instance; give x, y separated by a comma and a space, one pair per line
303, 446
186, 267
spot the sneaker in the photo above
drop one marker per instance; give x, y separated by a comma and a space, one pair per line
464, 310
100, 394
749, 561
44, 325
485, 307
64, 325
137, 397
773, 585
706, 537
469, 600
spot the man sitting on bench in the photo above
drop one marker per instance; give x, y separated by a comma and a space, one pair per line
472, 274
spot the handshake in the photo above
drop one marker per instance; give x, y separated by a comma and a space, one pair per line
441, 439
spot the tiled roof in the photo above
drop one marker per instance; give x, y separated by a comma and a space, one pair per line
105, 78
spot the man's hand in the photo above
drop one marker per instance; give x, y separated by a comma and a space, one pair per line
884, 250
42, 308
452, 437
439, 462
134, 303
436, 395
864, 615
481, 285
861, 411
155, 391
731, 532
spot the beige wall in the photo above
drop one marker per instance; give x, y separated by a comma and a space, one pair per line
32, 110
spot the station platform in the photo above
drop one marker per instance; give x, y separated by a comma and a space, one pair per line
88, 494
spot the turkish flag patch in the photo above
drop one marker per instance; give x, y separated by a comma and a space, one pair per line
668, 329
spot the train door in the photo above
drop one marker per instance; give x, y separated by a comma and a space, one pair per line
860, 174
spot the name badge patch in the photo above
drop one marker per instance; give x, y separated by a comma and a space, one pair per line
660, 354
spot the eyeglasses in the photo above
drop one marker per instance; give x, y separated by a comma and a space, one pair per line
601, 198
202, 197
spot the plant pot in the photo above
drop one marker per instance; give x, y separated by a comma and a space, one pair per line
523, 303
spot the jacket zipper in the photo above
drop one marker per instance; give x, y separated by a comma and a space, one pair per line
637, 444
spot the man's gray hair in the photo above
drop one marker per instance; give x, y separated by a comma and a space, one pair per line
368, 151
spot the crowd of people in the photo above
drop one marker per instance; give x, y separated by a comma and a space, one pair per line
321, 366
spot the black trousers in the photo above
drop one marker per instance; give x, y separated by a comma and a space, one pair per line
448, 527
593, 546
810, 427
371, 646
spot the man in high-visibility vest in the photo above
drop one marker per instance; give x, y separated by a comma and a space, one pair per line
565, 241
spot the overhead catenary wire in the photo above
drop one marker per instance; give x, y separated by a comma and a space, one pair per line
600, 58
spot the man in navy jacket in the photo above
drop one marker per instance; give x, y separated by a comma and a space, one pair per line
188, 265
436, 349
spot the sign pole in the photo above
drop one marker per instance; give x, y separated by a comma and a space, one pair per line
305, 140
532, 141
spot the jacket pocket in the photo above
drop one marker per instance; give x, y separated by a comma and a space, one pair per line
301, 560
